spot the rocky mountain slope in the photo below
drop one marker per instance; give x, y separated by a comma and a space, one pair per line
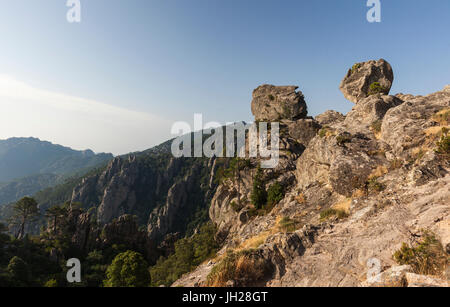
356, 187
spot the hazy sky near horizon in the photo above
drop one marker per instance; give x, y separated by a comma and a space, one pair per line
118, 80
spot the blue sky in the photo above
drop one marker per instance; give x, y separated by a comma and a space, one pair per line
136, 66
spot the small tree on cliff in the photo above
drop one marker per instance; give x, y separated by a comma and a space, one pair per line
25, 211
53, 214
128, 269
259, 194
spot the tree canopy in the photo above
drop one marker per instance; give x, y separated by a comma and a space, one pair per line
128, 269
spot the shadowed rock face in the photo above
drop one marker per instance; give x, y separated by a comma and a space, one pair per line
357, 83
272, 103
303, 130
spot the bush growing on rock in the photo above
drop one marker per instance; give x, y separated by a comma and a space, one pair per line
376, 126
328, 213
428, 257
275, 193
343, 138
326, 131
443, 145
376, 88
241, 269
355, 67
287, 225
442, 117
259, 194
374, 185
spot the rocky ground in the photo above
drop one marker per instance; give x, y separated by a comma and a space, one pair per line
381, 166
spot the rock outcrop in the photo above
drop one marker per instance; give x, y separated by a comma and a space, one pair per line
163, 192
119, 196
367, 78
348, 190
376, 172
125, 230
413, 124
273, 103
329, 118
303, 130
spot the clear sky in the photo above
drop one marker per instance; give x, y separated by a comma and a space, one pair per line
117, 81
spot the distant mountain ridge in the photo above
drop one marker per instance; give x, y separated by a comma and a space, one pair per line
22, 157
29, 165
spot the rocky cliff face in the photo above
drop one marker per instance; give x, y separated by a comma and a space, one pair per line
356, 187
163, 192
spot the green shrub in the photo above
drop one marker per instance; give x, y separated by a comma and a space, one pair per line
376, 126
355, 67
275, 193
376, 88
328, 213
128, 269
326, 131
428, 257
374, 185
259, 193
443, 145
271, 97
189, 253
343, 138
19, 270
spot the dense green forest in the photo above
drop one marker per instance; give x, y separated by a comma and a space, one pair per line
41, 260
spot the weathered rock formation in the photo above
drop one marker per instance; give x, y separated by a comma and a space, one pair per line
273, 103
367, 78
379, 165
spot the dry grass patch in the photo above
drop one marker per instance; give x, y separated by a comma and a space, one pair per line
442, 117
343, 205
329, 213
396, 164
380, 171
300, 198
254, 242
358, 193
434, 131
287, 224
244, 268
259, 239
